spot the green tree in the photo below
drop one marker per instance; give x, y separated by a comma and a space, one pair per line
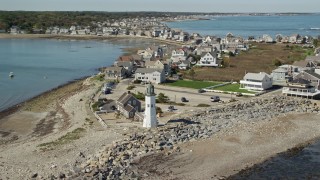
162, 98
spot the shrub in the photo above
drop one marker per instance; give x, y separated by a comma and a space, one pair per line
100, 77
139, 96
131, 87
137, 81
162, 98
95, 106
158, 110
277, 62
203, 105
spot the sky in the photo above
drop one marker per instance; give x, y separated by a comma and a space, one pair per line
232, 6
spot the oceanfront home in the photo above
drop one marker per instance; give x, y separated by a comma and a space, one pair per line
284, 74
128, 105
256, 81
302, 88
156, 76
310, 76
115, 73
128, 65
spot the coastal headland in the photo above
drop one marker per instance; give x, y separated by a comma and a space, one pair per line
56, 135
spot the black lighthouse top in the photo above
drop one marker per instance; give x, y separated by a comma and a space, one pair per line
150, 90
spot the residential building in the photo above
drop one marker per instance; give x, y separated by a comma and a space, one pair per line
115, 73
301, 88
309, 75
256, 81
128, 65
208, 59
156, 76
184, 65
14, 30
128, 105
166, 66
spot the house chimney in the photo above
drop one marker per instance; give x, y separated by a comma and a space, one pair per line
129, 92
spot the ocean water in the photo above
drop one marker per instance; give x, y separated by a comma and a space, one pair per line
40, 65
303, 164
253, 25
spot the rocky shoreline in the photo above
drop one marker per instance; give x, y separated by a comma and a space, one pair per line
115, 161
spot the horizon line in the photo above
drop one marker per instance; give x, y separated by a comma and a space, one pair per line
160, 12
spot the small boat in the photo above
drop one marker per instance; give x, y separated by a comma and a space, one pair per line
11, 74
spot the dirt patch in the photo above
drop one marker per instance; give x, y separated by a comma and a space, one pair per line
44, 127
146, 166
4, 133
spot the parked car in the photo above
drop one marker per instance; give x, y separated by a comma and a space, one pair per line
107, 91
183, 99
201, 91
238, 94
215, 98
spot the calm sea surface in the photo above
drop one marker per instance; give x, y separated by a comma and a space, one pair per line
253, 25
304, 164
40, 65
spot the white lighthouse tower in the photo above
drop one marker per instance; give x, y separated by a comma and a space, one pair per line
150, 115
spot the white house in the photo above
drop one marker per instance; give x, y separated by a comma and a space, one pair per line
150, 75
178, 53
256, 81
301, 88
208, 59
184, 65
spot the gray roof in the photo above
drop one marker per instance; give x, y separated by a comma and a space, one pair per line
149, 63
148, 70
300, 81
124, 98
312, 73
112, 68
129, 108
123, 63
256, 76
280, 70
313, 58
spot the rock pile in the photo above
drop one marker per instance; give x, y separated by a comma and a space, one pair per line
114, 161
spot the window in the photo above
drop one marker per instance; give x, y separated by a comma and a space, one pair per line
148, 105
134, 102
151, 105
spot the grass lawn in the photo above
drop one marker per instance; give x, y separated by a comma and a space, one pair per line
192, 84
233, 88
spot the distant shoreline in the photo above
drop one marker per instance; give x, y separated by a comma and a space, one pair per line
84, 37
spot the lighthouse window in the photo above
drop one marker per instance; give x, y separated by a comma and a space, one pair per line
151, 105
148, 105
